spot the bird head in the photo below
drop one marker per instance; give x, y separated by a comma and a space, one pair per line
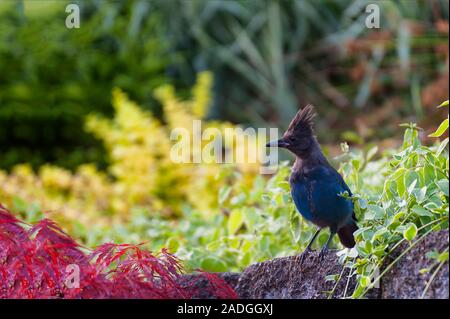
299, 137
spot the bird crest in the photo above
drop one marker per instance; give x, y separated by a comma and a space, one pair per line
302, 121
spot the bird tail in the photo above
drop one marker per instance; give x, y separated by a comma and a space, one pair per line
346, 235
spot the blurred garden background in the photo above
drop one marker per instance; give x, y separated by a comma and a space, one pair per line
86, 114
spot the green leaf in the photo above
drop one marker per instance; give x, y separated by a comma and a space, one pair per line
445, 103
214, 245
364, 281
246, 246
380, 233
398, 173
172, 244
380, 251
251, 218
420, 194
246, 258
332, 277
371, 153
443, 186
368, 245
224, 193
360, 231
362, 250
428, 174
213, 264
235, 221
398, 176
442, 147
295, 226
374, 212
433, 254
358, 292
264, 244
399, 215
443, 257
401, 188
356, 164
362, 202
411, 180
234, 242
441, 129
410, 232
420, 211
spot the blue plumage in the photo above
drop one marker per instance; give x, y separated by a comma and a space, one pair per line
316, 187
316, 196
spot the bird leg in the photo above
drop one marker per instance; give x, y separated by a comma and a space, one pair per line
308, 247
325, 248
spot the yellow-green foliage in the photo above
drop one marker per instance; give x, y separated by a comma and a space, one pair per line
141, 172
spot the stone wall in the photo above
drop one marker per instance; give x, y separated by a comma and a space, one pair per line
287, 278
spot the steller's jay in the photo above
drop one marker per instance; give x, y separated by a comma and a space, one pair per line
316, 187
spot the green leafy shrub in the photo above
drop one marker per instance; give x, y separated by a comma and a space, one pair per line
52, 77
413, 202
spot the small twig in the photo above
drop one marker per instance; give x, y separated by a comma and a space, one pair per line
432, 277
396, 260
348, 280
337, 282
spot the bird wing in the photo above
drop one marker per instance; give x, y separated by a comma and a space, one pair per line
344, 186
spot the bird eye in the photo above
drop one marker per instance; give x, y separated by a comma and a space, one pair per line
303, 143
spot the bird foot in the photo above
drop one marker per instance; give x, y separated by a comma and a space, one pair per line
322, 254
302, 256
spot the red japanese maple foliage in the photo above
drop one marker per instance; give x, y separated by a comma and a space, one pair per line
42, 261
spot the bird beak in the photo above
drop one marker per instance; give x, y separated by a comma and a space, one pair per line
277, 143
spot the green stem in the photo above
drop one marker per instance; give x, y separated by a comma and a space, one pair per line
432, 277
348, 280
337, 282
399, 257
